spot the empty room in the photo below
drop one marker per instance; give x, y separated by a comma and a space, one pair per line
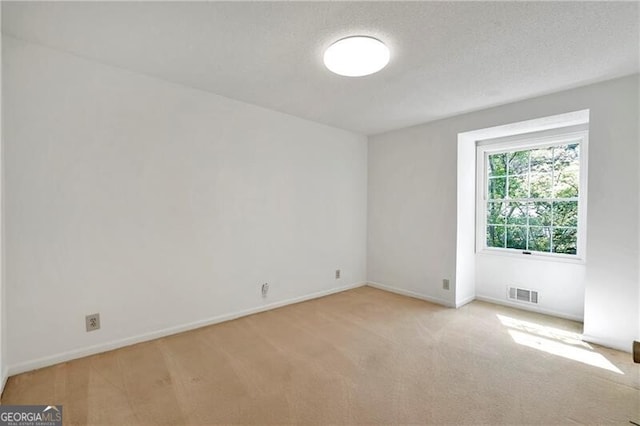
320, 213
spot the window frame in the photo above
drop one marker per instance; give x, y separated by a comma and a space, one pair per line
541, 139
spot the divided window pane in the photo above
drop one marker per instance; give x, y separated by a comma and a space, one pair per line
565, 213
495, 236
497, 165
516, 213
497, 188
541, 160
532, 199
565, 240
541, 185
518, 186
495, 213
539, 238
517, 237
539, 213
518, 162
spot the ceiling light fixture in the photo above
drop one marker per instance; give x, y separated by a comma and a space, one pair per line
356, 56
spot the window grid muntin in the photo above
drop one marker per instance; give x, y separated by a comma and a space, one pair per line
528, 200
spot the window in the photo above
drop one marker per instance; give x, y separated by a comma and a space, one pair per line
531, 194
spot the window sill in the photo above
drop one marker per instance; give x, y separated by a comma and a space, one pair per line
518, 254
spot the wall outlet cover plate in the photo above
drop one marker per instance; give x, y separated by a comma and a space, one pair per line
92, 322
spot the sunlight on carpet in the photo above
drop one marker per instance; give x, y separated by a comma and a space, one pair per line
555, 341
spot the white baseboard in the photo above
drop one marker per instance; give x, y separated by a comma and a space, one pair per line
4, 376
529, 308
607, 343
108, 346
465, 301
410, 293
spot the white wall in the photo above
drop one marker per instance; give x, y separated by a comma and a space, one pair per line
161, 207
411, 220
412, 209
3, 323
560, 285
611, 314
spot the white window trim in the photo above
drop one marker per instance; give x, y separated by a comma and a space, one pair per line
523, 141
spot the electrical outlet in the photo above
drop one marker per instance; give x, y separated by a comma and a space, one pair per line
265, 289
337, 274
92, 322
445, 284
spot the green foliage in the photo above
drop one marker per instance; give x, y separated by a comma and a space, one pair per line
540, 238
540, 213
564, 240
517, 237
497, 165
495, 236
532, 199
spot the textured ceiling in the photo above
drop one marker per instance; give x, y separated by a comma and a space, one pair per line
447, 57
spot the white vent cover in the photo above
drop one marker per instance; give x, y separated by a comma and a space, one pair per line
522, 295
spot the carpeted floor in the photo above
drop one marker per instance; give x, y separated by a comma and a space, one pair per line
363, 356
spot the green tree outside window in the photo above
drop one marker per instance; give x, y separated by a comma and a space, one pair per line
532, 199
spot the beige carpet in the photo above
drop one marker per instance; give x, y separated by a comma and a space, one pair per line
362, 356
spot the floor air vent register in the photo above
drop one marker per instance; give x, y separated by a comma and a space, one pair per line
522, 295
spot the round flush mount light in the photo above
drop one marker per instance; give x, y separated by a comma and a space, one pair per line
356, 56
